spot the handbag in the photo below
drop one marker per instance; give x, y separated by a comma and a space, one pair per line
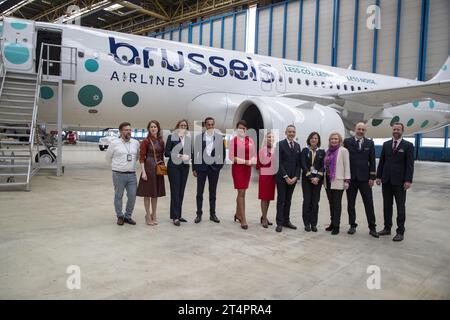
161, 169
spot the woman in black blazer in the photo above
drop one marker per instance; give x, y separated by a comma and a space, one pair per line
311, 160
178, 150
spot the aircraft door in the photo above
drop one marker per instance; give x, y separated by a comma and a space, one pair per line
266, 77
17, 44
281, 81
51, 54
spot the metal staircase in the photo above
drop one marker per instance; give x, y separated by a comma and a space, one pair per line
19, 96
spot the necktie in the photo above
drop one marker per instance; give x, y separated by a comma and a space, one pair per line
291, 145
394, 147
359, 144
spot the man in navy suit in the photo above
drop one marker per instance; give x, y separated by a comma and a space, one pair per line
395, 171
207, 160
362, 168
289, 169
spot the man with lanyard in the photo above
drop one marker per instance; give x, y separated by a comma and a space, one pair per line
122, 155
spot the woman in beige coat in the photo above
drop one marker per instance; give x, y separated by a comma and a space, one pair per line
337, 178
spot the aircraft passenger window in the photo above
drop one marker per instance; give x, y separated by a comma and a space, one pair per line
232, 72
299, 81
151, 62
315, 83
359, 88
124, 58
210, 69
352, 87
307, 82
80, 54
345, 87
137, 60
163, 64
290, 80
241, 74
338, 87
280, 79
365, 88
251, 74
323, 84
221, 71
331, 85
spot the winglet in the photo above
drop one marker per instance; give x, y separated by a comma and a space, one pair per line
443, 73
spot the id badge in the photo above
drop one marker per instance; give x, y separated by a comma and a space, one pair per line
313, 170
129, 157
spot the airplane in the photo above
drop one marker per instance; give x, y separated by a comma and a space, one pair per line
110, 77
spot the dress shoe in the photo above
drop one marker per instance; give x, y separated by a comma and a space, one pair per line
352, 230
236, 218
384, 232
308, 228
176, 222
183, 220
290, 226
398, 237
335, 231
198, 219
313, 228
278, 228
214, 218
120, 221
244, 226
329, 228
374, 234
129, 221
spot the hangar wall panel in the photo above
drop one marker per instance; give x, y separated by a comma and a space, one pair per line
292, 28
438, 45
325, 32
309, 11
409, 39
386, 38
345, 38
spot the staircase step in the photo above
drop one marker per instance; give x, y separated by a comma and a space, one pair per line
13, 174
23, 166
14, 128
15, 121
17, 75
14, 134
16, 101
21, 84
16, 114
8, 152
17, 94
8, 87
14, 142
13, 184
16, 107
15, 157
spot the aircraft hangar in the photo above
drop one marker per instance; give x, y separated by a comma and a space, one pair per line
57, 195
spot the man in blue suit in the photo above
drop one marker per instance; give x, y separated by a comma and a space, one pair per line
207, 160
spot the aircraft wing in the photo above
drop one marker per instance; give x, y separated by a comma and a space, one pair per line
439, 91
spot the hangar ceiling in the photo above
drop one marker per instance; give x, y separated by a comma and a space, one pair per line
132, 16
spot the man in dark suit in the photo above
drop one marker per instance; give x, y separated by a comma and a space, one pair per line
363, 175
207, 160
395, 171
288, 174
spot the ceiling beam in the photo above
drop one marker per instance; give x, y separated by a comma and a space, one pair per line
145, 11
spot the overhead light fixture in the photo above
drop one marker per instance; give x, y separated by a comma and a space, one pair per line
101, 19
17, 7
85, 10
113, 7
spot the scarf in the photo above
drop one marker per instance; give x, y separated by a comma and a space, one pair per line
330, 161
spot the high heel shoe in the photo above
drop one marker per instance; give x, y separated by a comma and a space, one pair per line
236, 219
265, 224
244, 226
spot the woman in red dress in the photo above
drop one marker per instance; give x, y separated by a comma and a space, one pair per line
266, 186
242, 154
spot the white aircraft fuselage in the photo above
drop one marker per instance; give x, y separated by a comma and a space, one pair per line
122, 77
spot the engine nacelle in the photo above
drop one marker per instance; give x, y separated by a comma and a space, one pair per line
279, 112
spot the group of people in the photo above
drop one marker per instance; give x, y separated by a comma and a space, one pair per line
346, 165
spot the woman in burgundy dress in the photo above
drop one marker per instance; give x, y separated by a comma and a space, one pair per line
151, 186
266, 186
242, 155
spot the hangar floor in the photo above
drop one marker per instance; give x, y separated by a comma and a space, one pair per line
70, 220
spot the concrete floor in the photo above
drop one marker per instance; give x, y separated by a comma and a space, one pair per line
70, 220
